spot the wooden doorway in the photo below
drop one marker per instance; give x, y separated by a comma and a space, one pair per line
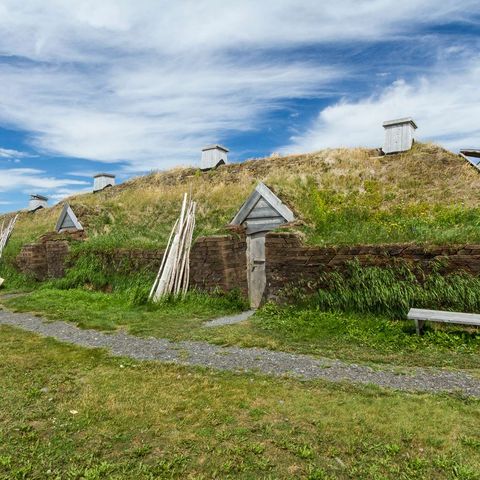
261, 213
256, 273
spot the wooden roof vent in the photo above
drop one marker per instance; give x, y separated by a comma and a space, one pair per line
399, 135
213, 156
102, 181
37, 202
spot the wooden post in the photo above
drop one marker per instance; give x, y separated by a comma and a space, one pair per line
419, 326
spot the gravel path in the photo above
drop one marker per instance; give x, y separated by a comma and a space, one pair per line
245, 359
230, 320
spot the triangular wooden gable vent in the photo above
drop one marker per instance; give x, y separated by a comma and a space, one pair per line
68, 220
263, 211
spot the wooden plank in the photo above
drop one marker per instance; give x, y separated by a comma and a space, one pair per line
275, 202
165, 254
246, 208
261, 227
5, 233
270, 222
263, 212
444, 317
262, 203
470, 160
471, 152
67, 223
256, 229
173, 276
266, 198
256, 274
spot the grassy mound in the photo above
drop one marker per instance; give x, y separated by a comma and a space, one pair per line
340, 196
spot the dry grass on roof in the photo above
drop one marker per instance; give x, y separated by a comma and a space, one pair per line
426, 173
143, 209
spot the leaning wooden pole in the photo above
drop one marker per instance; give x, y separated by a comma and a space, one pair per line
5, 233
173, 275
171, 264
185, 279
184, 250
165, 254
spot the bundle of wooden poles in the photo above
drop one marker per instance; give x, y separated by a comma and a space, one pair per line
174, 273
6, 230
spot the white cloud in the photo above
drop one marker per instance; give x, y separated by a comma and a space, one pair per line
148, 115
31, 178
85, 173
149, 82
88, 30
445, 106
63, 193
12, 154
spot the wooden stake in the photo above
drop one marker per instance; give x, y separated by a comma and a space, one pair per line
165, 253
5, 233
173, 275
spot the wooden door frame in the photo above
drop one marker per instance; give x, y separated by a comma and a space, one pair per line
256, 301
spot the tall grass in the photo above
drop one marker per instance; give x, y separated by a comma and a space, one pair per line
14, 279
343, 196
392, 291
356, 217
92, 269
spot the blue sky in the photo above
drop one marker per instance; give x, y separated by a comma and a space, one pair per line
130, 86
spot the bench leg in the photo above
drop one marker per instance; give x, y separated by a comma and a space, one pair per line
419, 325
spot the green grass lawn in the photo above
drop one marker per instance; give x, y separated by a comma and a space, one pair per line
348, 336
73, 413
109, 311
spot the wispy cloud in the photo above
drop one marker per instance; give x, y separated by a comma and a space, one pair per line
27, 178
91, 31
13, 154
149, 82
84, 173
62, 193
445, 105
150, 117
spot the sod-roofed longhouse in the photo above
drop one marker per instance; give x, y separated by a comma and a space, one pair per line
343, 199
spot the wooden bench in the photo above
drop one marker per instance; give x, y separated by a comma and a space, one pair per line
421, 316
